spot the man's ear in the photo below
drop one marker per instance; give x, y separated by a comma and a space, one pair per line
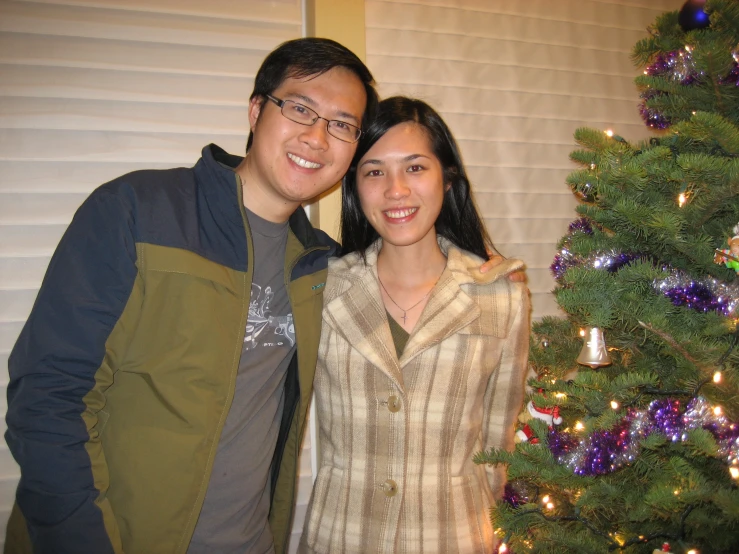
255, 108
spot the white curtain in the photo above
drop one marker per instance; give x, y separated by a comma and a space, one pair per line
514, 80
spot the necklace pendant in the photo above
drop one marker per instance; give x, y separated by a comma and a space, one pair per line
404, 318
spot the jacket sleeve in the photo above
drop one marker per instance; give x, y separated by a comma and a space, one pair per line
59, 369
505, 389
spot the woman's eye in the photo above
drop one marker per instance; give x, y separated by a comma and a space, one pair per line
415, 168
373, 173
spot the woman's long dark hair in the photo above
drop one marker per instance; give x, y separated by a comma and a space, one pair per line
458, 220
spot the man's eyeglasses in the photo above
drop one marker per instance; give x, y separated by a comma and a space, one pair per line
306, 116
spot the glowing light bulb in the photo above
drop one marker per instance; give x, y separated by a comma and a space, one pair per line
614, 405
545, 499
676, 492
550, 506
609, 132
734, 472
681, 199
560, 395
717, 377
717, 410
503, 548
692, 551
579, 426
582, 332
688, 48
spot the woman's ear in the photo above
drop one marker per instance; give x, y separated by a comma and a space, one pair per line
447, 186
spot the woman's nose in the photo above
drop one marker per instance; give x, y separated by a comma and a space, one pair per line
397, 188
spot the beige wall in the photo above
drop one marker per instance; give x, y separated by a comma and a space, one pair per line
342, 21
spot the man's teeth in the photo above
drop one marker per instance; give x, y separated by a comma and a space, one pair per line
398, 214
303, 163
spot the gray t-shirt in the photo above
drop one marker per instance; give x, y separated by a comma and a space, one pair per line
233, 519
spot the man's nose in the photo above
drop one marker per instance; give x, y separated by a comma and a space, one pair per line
316, 135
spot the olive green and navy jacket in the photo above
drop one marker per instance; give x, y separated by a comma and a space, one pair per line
123, 375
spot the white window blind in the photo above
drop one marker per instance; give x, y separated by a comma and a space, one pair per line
514, 80
92, 89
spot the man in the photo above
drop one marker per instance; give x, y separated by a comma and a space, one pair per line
159, 389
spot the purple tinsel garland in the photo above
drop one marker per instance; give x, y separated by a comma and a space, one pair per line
606, 451
706, 295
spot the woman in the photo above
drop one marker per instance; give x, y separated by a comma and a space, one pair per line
422, 357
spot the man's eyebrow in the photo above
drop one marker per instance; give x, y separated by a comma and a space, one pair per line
312, 103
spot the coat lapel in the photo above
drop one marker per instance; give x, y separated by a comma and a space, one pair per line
448, 310
358, 314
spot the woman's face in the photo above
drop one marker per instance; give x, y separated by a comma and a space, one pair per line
401, 188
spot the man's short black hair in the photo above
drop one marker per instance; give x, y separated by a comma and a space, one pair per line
305, 57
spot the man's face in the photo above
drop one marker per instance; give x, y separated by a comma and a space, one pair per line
289, 163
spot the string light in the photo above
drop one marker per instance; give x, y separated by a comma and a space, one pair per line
717, 410
608, 132
717, 377
550, 506
734, 472
582, 332
560, 395
579, 426
614, 405
682, 199
692, 551
503, 548
545, 499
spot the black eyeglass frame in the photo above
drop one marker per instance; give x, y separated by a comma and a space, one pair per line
316, 117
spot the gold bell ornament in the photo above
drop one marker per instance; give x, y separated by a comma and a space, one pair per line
594, 352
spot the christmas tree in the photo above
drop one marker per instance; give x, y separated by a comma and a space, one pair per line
630, 441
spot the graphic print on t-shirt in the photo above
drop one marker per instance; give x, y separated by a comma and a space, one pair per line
262, 328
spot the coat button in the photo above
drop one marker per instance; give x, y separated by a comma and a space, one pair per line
390, 487
393, 403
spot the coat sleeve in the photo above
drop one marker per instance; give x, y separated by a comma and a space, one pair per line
59, 369
505, 389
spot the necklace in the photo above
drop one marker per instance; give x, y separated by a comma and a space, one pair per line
405, 310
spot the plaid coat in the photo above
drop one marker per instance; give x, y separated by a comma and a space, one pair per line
397, 436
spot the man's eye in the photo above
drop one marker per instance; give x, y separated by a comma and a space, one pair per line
341, 125
301, 110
